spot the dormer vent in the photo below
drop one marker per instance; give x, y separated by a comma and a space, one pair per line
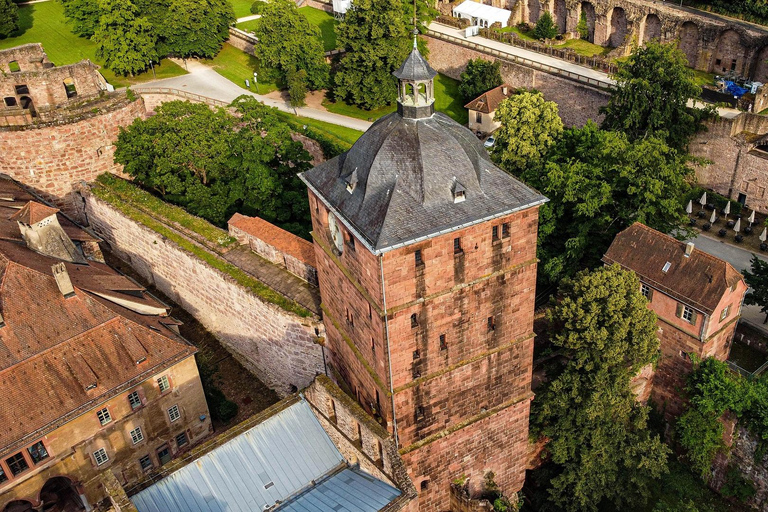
667, 265
504, 90
351, 181
62, 280
688, 249
459, 192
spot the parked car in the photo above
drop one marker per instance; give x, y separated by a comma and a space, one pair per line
489, 142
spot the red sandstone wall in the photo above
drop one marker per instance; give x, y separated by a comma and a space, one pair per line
50, 159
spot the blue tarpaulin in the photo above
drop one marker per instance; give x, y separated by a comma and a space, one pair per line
734, 89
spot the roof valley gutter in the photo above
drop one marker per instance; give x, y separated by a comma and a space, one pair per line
389, 353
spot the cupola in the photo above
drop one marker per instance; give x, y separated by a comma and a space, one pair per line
416, 86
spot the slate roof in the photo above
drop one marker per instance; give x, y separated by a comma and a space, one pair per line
278, 238
415, 68
489, 100
406, 170
700, 280
287, 458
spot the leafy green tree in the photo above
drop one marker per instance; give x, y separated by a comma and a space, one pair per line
124, 41
529, 127
83, 16
599, 183
289, 43
653, 87
297, 87
377, 41
215, 164
195, 28
599, 436
479, 76
545, 28
9, 18
757, 279
582, 28
258, 6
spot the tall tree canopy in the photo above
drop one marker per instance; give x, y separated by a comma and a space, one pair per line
289, 43
9, 18
124, 41
83, 16
599, 183
377, 40
599, 439
479, 76
529, 127
650, 100
757, 279
214, 163
195, 28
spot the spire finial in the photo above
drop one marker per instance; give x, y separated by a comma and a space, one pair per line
415, 25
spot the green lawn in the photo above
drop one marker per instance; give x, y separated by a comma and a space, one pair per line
585, 48
325, 22
523, 35
237, 65
45, 23
345, 134
447, 100
249, 25
242, 7
703, 78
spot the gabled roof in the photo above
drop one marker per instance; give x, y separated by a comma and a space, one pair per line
489, 100
415, 68
699, 280
287, 458
33, 212
278, 238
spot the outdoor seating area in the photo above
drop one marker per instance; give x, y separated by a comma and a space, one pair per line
744, 226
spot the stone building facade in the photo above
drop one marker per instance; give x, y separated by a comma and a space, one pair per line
426, 257
696, 296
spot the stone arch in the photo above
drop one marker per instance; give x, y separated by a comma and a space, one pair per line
560, 15
651, 28
27, 104
728, 54
689, 42
19, 506
589, 13
618, 24
760, 72
534, 11
59, 494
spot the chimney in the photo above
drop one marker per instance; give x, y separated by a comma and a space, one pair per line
688, 249
504, 90
62, 280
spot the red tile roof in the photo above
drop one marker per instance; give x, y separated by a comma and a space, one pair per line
278, 238
700, 280
489, 100
33, 212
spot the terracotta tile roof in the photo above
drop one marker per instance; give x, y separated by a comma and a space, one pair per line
699, 280
59, 356
278, 238
33, 212
489, 100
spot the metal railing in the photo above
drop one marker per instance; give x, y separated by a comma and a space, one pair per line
602, 84
178, 92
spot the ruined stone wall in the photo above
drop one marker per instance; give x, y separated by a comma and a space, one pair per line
577, 103
743, 449
29, 57
49, 158
279, 347
242, 40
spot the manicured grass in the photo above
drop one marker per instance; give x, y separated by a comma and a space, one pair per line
45, 23
703, 78
325, 22
447, 100
348, 135
242, 7
585, 48
523, 35
237, 65
248, 26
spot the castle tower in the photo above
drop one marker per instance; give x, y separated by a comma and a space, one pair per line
426, 258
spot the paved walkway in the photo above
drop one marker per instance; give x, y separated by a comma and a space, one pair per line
740, 259
249, 18
203, 80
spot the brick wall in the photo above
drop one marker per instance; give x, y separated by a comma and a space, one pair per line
577, 103
277, 346
50, 158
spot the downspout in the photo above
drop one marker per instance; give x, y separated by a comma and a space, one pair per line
389, 353
704, 326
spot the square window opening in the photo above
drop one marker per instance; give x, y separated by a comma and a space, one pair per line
134, 399
104, 416
174, 413
146, 463
37, 452
17, 464
182, 440
100, 456
163, 384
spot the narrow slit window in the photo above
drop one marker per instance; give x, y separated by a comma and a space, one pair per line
457, 246
505, 230
417, 258
443, 343
491, 324
414, 321
495, 233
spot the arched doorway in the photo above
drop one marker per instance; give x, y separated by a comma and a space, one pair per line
728, 53
588, 12
689, 42
534, 11
618, 27
651, 28
19, 506
27, 104
59, 495
560, 14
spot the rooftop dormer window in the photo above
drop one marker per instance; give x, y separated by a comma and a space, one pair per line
351, 181
459, 192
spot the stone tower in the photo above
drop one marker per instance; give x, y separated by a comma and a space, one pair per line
426, 258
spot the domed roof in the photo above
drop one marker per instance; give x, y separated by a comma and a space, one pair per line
407, 179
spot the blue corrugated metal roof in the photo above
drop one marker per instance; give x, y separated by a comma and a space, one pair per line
272, 461
349, 490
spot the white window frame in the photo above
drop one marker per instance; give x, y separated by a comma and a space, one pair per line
101, 457
104, 416
137, 435
131, 401
726, 311
163, 384
687, 314
174, 413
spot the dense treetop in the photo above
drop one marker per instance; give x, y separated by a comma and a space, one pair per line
479, 76
9, 18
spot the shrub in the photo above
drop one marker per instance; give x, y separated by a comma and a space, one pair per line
737, 486
258, 6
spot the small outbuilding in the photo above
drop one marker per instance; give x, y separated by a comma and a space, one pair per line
482, 109
482, 15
